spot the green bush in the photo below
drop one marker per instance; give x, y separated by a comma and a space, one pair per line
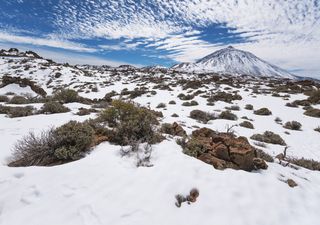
227, 115
193, 148
263, 112
233, 108
314, 97
185, 97
130, 123
172, 102
312, 112
161, 105
4, 98
249, 107
269, 137
18, 100
246, 124
54, 146
17, 111
66, 96
54, 107
72, 140
202, 116
224, 96
192, 103
317, 129
292, 125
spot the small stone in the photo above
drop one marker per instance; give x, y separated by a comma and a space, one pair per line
291, 183
260, 164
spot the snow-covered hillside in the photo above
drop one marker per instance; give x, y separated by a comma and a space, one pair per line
106, 187
235, 62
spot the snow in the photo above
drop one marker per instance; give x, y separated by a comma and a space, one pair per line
107, 188
16, 89
236, 62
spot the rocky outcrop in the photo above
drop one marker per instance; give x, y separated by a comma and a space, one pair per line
173, 129
224, 150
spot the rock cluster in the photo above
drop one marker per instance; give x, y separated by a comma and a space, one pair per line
225, 150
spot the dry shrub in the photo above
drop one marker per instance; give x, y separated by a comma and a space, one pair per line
54, 107
18, 100
227, 115
269, 137
202, 116
312, 112
263, 112
292, 125
54, 146
246, 124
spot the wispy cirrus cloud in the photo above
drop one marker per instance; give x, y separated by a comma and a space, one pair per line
48, 42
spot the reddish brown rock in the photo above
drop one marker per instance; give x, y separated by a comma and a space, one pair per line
178, 130
225, 150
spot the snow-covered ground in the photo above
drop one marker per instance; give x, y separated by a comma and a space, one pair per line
106, 188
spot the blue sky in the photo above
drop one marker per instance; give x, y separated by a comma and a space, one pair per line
165, 32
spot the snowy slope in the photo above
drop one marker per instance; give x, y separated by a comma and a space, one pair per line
235, 62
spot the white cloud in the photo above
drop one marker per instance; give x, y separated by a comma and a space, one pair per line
55, 43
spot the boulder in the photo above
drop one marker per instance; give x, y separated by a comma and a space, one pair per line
225, 150
178, 130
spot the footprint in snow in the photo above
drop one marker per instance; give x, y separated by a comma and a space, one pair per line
88, 216
18, 175
30, 196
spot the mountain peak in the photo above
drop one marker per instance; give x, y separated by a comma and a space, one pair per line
234, 62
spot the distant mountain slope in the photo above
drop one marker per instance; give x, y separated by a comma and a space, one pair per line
236, 62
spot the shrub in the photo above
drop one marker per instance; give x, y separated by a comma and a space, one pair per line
54, 107
233, 107
223, 96
174, 115
161, 105
302, 102
246, 124
84, 111
185, 97
269, 137
317, 129
18, 100
292, 104
305, 163
263, 112
66, 143
73, 139
172, 102
17, 111
202, 116
192, 148
314, 97
227, 115
4, 98
192, 103
249, 107
293, 125
130, 123
66, 96
263, 155
312, 112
